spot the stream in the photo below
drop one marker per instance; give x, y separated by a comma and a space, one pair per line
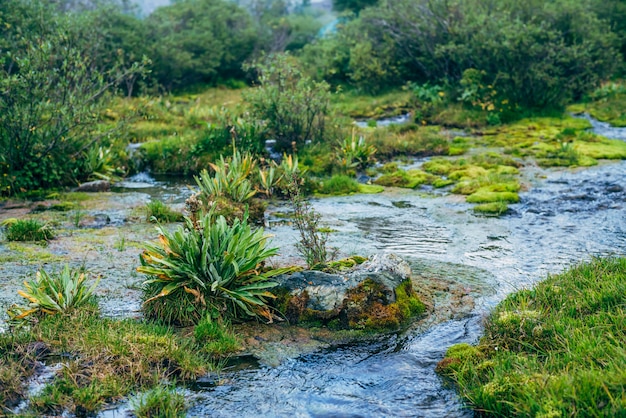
567, 216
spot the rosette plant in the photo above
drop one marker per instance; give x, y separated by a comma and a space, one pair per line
208, 266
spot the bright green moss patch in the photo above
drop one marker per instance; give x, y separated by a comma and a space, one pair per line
370, 188
493, 208
610, 149
555, 350
408, 179
338, 185
483, 195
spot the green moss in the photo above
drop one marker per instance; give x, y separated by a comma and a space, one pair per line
494, 208
408, 302
370, 188
611, 149
407, 179
483, 195
438, 166
542, 348
470, 172
439, 183
337, 185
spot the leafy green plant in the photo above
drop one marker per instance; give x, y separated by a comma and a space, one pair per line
207, 265
230, 179
27, 230
157, 211
293, 106
356, 153
56, 293
161, 401
268, 179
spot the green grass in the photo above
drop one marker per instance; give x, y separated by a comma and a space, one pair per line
215, 337
161, 401
556, 350
27, 230
363, 106
157, 211
105, 360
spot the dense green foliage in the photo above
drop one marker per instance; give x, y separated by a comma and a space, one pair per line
57, 293
27, 230
207, 266
293, 106
555, 350
530, 54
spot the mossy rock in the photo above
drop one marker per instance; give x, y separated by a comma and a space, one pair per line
370, 188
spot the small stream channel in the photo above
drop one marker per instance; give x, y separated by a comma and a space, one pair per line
567, 216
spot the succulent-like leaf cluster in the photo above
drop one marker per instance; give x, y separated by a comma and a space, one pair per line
219, 264
54, 293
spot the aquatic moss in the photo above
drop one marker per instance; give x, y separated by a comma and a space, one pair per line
337, 185
554, 350
484, 195
408, 179
438, 166
610, 149
493, 208
370, 188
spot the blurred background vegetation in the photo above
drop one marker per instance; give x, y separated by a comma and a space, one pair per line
66, 65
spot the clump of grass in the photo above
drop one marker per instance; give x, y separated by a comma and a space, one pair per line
555, 350
27, 230
108, 359
161, 401
215, 337
207, 265
157, 211
338, 185
409, 140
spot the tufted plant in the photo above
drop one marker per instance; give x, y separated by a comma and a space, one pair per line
207, 266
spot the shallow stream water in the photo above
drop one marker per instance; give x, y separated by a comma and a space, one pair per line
565, 217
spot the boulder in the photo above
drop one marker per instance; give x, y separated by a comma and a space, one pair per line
367, 294
95, 186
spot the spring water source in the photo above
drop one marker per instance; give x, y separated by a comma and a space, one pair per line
567, 216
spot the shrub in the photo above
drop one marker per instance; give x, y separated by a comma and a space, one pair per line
27, 230
293, 106
207, 265
312, 245
52, 294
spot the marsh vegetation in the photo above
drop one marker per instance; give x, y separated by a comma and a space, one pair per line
272, 105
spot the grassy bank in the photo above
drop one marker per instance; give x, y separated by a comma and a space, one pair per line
554, 351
